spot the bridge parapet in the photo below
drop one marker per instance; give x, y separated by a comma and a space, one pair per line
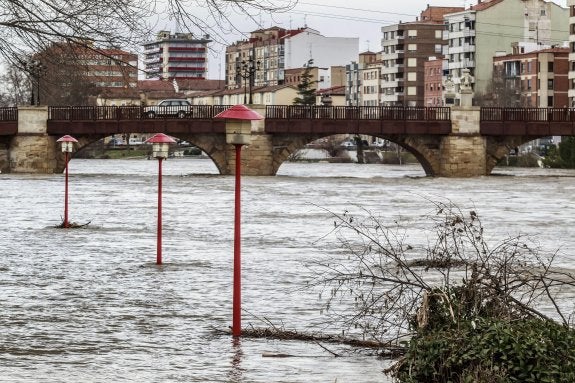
357, 112
95, 113
527, 122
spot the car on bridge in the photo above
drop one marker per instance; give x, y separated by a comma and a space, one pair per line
174, 107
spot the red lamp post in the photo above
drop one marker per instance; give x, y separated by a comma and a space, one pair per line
160, 149
67, 147
238, 134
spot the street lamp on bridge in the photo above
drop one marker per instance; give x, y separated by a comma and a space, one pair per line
246, 70
35, 69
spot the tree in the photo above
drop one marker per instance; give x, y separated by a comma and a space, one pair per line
33, 25
305, 89
465, 309
562, 156
500, 91
16, 88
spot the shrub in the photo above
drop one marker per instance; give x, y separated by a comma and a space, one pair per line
467, 309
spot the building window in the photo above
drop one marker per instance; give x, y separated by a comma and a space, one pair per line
550, 84
412, 47
411, 33
550, 66
412, 62
412, 91
411, 76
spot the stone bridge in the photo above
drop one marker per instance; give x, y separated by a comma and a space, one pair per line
449, 142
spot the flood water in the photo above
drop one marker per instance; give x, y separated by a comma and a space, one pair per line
90, 305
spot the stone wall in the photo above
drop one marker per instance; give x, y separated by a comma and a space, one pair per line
462, 156
31, 153
32, 150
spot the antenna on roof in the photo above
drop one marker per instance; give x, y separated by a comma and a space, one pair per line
367, 44
305, 21
177, 24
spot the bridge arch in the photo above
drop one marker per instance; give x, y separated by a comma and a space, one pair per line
497, 147
211, 144
425, 148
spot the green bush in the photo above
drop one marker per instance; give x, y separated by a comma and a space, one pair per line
491, 350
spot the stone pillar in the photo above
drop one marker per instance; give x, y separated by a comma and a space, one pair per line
463, 152
32, 150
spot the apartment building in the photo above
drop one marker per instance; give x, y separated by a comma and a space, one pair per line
79, 73
405, 48
535, 79
371, 84
475, 35
571, 6
176, 56
433, 82
353, 77
268, 53
322, 78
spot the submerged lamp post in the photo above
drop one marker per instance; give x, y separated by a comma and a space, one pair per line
67, 143
238, 131
160, 149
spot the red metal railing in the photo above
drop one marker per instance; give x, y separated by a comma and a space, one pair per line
9, 114
528, 114
71, 113
358, 112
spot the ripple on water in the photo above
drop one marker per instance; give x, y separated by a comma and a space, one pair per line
91, 305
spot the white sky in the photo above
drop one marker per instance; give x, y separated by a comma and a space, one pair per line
335, 18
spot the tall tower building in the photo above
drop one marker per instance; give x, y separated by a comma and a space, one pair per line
176, 56
405, 49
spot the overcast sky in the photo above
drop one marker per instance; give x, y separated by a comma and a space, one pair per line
335, 18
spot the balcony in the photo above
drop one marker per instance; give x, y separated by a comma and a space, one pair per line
391, 98
153, 60
465, 63
465, 48
152, 50
391, 84
390, 70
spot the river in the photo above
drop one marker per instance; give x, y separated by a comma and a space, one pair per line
90, 305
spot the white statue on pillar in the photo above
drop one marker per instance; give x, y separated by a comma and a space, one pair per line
465, 81
465, 89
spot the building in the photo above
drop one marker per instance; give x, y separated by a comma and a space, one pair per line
353, 75
322, 77
571, 5
334, 96
266, 95
268, 53
433, 82
405, 49
474, 36
536, 79
371, 84
78, 73
176, 56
